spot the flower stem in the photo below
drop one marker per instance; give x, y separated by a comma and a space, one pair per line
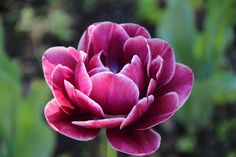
111, 152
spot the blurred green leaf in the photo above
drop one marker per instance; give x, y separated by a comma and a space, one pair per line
179, 30
186, 144
31, 130
216, 90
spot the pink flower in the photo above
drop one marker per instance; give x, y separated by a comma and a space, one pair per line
119, 79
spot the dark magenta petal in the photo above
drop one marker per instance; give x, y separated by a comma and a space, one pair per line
151, 86
135, 30
137, 111
163, 49
181, 83
82, 79
161, 110
136, 46
116, 93
135, 72
85, 40
98, 60
59, 74
156, 67
54, 56
98, 70
100, 123
134, 142
110, 38
83, 102
61, 122
80, 56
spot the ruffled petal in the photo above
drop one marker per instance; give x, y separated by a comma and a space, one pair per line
136, 46
59, 74
82, 79
134, 142
162, 48
135, 72
115, 93
137, 111
110, 38
160, 110
79, 56
135, 30
100, 123
61, 122
54, 56
83, 102
181, 83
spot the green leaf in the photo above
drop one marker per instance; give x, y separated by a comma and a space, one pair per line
219, 89
33, 136
179, 30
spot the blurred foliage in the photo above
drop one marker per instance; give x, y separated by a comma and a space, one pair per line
22, 129
205, 52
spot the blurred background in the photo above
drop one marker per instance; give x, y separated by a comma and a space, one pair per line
202, 33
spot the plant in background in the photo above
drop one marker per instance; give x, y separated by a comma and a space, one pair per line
120, 79
23, 132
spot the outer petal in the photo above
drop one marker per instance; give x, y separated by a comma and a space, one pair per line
181, 83
161, 110
136, 46
101, 123
61, 122
135, 30
162, 48
110, 38
116, 93
82, 79
83, 102
85, 40
54, 56
135, 72
59, 74
137, 111
134, 142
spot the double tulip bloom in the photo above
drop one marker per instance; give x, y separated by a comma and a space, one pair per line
119, 79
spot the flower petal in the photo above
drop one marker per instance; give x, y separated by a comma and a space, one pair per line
85, 40
151, 86
80, 56
54, 56
135, 72
98, 60
116, 93
162, 48
98, 70
110, 38
83, 102
137, 111
181, 83
136, 46
82, 79
134, 142
100, 123
161, 110
59, 74
135, 30
61, 122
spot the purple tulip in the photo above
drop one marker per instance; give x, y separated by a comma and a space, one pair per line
119, 79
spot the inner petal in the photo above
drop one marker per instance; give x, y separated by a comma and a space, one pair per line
115, 93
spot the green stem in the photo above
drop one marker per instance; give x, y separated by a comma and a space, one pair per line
111, 152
